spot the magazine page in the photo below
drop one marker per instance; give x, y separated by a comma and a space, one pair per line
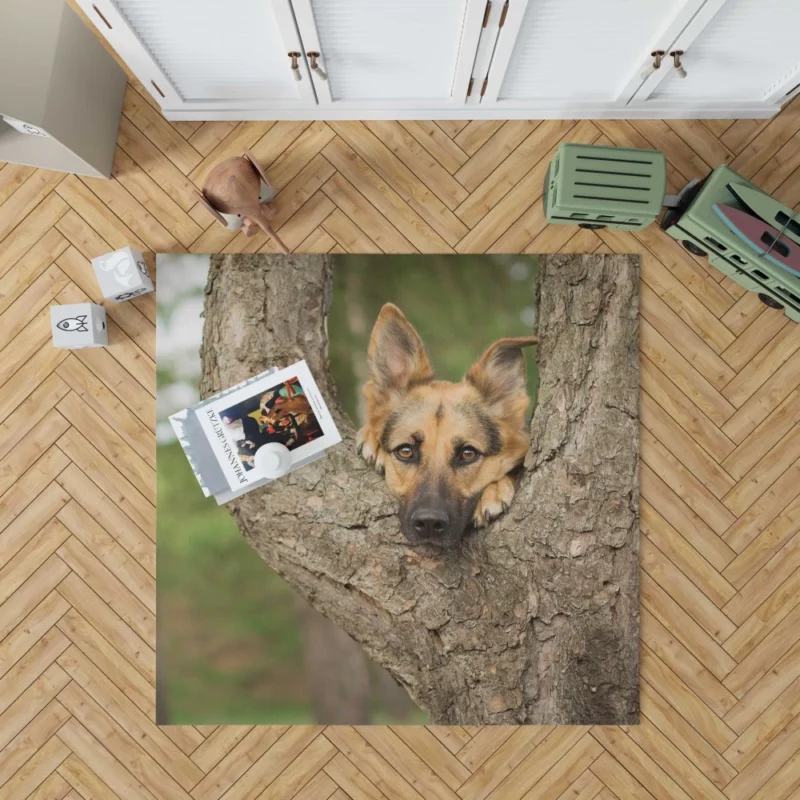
284, 407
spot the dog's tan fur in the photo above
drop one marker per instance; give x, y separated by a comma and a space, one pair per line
485, 411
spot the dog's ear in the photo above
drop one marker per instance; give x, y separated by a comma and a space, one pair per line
396, 355
500, 376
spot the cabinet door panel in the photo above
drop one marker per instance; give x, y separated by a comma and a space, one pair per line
580, 51
391, 53
748, 52
211, 54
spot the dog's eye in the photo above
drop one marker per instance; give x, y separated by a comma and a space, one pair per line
468, 454
405, 452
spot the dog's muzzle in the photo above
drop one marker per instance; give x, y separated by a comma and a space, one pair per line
430, 523
435, 520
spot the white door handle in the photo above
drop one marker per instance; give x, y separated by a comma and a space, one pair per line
657, 56
676, 58
295, 65
315, 68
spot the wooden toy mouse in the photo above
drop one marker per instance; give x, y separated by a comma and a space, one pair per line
233, 187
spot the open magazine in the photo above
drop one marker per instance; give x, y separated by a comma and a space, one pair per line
221, 435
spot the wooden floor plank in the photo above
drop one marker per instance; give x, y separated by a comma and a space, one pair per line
492, 153
703, 576
681, 735
779, 570
38, 696
25, 199
91, 606
19, 568
680, 588
675, 440
154, 199
621, 782
152, 740
106, 777
696, 424
160, 132
437, 143
144, 153
769, 687
509, 172
681, 516
762, 543
421, 164
30, 267
476, 133
32, 737
37, 770
422, 225
685, 665
12, 176
31, 630
133, 570
302, 150
107, 586
761, 657
496, 212
641, 766
225, 774
503, 762
135, 466
704, 355
765, 728
748, 380
379, 230
209, 135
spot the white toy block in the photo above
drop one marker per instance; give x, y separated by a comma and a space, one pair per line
122, 274
79, 325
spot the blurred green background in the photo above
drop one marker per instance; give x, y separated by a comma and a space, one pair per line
230, 644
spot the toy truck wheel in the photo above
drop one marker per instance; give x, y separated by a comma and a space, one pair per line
592, 226
770, 301
693, 248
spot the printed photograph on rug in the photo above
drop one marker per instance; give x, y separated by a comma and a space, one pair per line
282, 414
478, 493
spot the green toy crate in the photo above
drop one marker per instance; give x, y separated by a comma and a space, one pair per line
605, 187
695, 224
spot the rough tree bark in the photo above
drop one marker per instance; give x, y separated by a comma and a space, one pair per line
533, 620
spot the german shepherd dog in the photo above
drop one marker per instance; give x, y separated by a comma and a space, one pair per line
449, 451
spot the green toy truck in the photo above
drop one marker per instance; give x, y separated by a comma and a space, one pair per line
592, 186
695, 224
605, 187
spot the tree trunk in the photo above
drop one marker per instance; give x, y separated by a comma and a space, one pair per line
337, 670
533, 620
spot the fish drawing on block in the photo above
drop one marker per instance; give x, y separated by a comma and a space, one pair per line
77, 324
763, 238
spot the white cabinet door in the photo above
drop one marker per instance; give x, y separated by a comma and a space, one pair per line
206, 54
737, 51
390, 54
562, 55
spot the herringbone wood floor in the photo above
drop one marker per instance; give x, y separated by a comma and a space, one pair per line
720, 504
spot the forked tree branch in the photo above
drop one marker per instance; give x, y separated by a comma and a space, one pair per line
534, 619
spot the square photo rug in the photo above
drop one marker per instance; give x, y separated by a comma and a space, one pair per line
398, 489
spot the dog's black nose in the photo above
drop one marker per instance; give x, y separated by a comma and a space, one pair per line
429, 523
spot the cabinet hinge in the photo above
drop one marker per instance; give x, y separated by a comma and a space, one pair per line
486, 13
503, 15
469, 88
483, 88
